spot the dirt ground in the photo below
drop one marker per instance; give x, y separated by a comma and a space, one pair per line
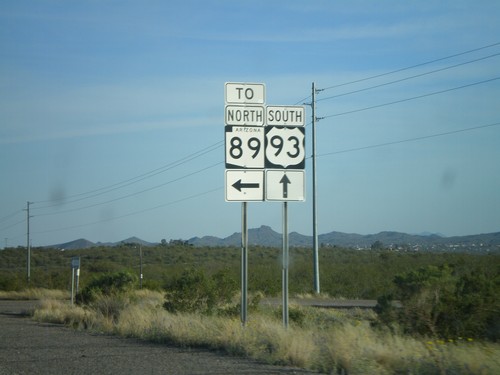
28, 347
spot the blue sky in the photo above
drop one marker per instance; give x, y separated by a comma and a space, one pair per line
112, 115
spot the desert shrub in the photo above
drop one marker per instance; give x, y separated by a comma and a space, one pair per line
437, 302
225, 287
107, 285
296, 314
475, 307
193, 291
12, 282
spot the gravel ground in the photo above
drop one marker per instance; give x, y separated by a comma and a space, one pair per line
28, 347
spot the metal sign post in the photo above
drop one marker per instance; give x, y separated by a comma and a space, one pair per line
75, 265
140, 267
77, 272
284, 271
72, 286
244, 263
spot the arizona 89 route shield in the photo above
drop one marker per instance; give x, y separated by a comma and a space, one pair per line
244, 147
285, 147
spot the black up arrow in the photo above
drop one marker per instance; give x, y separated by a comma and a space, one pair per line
285, 181
238, 185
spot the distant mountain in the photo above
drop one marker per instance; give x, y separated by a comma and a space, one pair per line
85, 244
429, 234
136, 241
263, 236
266, 236
73, 245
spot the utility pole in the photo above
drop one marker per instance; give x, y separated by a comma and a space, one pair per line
140, 266
315, 202
28, 242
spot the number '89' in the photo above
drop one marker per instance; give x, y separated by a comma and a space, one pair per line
236, 147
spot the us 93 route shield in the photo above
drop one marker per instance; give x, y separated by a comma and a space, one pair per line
285, 147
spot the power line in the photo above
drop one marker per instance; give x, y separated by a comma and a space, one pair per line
301, 101
218, 144
411, 98
319, 155
133, 213
7, 217
411, 67
13, 225
133, 180
199, 171
410, 139
408, 78
132, 194
154, 172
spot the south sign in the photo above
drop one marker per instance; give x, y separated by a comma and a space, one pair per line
285, 115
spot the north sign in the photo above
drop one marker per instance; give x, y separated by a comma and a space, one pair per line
244, 147
244, 115
245, 93
244, 185
285, 147
279, 115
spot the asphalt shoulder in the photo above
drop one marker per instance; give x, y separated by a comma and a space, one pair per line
29, 347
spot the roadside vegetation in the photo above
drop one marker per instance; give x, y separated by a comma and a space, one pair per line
445, 321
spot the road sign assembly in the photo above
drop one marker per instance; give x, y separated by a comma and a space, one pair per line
260, 138
265, 161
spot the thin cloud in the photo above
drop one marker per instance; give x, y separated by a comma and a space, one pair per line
338, 33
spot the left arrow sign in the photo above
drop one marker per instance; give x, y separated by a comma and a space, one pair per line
238, 185
243, 185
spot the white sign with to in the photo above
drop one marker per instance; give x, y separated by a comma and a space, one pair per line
245, 93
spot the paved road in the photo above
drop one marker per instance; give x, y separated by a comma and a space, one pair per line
28, 347
324, 302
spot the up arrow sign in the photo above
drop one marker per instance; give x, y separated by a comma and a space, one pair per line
284, 185
285, 181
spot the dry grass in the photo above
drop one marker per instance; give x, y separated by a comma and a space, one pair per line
328, 341
56, 311
35, 294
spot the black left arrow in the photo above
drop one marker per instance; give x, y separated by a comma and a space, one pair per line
238, 185
285, 181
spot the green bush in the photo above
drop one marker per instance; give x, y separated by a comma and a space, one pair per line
438, 302
193, 291
110, 284
296, 314
475, 307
